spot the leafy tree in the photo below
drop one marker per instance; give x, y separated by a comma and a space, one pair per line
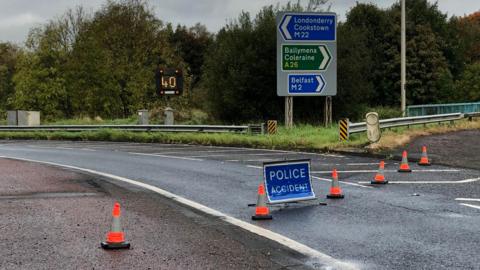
425, 66
191, 45
41, 81
239, 74
116, 57
468, 87
8, 62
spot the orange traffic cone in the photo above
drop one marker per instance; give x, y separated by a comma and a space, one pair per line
404, 167
115, 237
424, 159
380, 176
261, 209
335, 190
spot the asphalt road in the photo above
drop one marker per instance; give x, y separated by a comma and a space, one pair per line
424, 220
459, 148
53, 218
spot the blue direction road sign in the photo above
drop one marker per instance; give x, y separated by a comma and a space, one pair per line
288, 181
312, 27
305, 83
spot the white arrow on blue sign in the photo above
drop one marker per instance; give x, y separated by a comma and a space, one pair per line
320, 27
305, 83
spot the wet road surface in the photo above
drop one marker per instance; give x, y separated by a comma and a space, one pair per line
419, 221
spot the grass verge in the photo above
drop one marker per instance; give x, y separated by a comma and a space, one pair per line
303, 137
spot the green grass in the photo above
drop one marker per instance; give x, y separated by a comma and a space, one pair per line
304, 137
93, 121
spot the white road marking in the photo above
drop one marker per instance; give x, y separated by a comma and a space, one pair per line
343, 182
243, 154
255, 160
470, 205
467, 199
283, 151
65, 148
87, 149
430, 182
373, 171
203, 151
41, 147
362, 164
281, 239
164, 156
255, 167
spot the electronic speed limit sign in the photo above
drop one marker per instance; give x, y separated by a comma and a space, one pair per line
169, 81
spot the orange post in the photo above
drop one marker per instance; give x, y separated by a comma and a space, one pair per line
115, 237
261, 210
380, 176
335, 190
404, 167
424, 159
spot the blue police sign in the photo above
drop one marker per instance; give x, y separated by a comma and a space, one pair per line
305, 83
288, 181
309, 27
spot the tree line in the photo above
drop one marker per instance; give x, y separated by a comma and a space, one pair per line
103, 64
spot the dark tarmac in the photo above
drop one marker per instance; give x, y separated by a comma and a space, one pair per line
52, 218
460, 149
418, 221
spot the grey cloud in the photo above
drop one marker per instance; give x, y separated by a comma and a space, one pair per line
18, 16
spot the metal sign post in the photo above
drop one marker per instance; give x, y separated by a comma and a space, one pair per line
306, 57
328, 112
288, 181
288, 112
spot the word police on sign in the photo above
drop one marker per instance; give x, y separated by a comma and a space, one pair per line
288, 181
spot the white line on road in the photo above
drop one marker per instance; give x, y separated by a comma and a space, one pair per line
255, 160
243, 154
429, 182
467, 199
373, 171
471, 205
87, 149
164, 156
343, 182
65, 148
361, 164
283, 240
203, 151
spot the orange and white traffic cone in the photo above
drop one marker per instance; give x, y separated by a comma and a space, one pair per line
424, 159
115, 237
261, 210
335, 190
404, 167
380, 176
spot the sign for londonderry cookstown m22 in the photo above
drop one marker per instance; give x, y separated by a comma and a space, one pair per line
306, 54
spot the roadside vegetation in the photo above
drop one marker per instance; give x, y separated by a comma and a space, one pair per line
102, 63
302, 137
89, 67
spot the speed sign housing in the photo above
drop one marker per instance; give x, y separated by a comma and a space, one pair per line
169, 81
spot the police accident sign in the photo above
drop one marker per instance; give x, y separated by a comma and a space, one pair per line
288, 181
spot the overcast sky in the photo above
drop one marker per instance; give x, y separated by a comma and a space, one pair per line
18, 16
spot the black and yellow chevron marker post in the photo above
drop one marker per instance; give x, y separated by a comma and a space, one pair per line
272, 126
343, 129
